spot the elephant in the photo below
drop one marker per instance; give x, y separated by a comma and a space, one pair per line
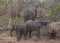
29, 14
20, 30
34, 26
28, 27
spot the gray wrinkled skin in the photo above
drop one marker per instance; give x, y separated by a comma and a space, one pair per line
29, 14
34, 26
20, 30
29, 27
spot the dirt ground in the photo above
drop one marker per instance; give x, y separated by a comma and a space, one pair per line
6, 38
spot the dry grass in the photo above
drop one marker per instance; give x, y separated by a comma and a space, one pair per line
6, 38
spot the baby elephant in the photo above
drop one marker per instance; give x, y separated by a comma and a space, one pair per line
34, 26
20, 30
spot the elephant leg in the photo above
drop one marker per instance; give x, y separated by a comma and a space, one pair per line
38, 33
30, 34
25, 35
19, 35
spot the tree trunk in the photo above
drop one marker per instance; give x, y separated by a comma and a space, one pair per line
10, 21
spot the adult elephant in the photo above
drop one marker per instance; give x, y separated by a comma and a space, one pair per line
34, 26
29, 13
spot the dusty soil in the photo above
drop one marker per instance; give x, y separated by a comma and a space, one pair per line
6, 38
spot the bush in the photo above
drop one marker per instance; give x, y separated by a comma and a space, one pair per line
55, 13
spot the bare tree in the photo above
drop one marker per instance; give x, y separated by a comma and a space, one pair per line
13, 8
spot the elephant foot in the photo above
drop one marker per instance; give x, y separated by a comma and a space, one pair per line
18, 39
25, 38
